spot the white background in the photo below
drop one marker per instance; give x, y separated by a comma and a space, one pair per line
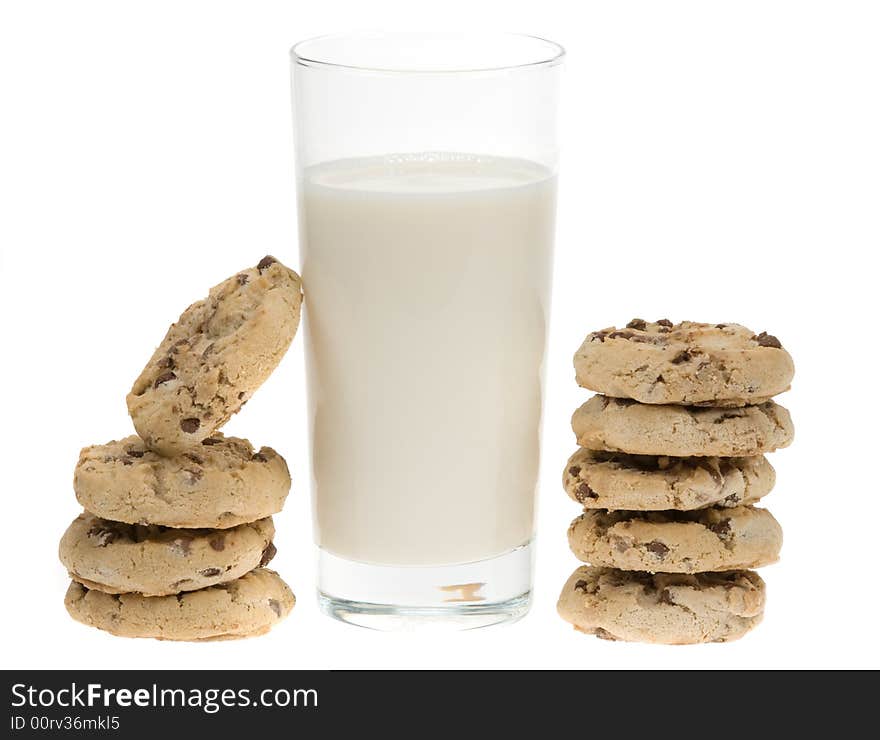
720, 163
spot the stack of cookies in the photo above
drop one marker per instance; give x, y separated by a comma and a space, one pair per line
670, 467
177, 528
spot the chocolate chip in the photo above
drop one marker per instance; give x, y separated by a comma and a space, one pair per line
127, 460
639, 324
574, 470
268, 554
722, 528
209, 572
767, 340
195, 458
620, 544
583, 492
600, 335
242, 279
166, 364
164, 378
209, 441
191, 425
604, 635
720, 326
218, 542
683, 356
182, 545
259, 457
241, 395
666, 597
664, 322
104, 535
134, 453
266, 262
581, 586
275, 607
621, 335
658, 548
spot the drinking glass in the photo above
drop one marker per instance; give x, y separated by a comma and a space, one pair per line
426, 181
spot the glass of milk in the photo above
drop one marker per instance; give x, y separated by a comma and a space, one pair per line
426, 168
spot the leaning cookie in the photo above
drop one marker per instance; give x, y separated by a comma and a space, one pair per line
677, 541
246, 607
687, 363
597, 479
620, 425
218, 353
671, 609
221, 483
157, 561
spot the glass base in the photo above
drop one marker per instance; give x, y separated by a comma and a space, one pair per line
410, 598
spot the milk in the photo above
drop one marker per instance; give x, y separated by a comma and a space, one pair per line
427, 284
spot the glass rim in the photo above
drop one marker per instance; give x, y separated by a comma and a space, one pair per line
299, 55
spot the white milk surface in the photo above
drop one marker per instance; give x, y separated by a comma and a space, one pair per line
427, 283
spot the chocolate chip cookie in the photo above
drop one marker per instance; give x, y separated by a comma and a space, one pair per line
218, 353
597, 479
623, 425
672, 609
220, 483
712, 539
156, 561
687, 363
245, 607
